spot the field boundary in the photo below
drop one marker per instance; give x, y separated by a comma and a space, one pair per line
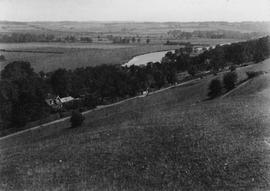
32, 51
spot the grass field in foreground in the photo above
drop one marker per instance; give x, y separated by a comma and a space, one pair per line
167, 141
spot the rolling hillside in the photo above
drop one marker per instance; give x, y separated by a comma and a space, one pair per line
173, 140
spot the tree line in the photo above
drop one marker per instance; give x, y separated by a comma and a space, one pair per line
216, 59
23, 91
29, 37
213, 34
127, 40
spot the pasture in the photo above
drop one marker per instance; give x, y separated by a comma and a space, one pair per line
102, 51
75, 55
172, 140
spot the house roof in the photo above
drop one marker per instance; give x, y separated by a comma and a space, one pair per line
66, 99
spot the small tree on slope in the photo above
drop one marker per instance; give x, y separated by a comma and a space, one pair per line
229, 80
215, 88
76, 119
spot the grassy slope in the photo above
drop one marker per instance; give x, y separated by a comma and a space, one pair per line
166, 141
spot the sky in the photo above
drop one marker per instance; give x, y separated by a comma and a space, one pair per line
135, 10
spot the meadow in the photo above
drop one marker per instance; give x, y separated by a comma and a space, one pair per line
51, 56
56, 45
102, 51
172, 140
75, 55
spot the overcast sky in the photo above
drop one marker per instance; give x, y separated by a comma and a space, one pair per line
135, 10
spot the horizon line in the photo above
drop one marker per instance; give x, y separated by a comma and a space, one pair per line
130, 21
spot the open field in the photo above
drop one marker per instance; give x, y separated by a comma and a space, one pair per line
173, 140
76, 55
56, 45
102, 51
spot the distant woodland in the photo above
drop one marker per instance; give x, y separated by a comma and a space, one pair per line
212, 34
116, 39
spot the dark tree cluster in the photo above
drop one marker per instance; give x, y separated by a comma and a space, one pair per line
213, 34
217, 58
120, 40
29, 37
70, 38
108, 83
22, 94
229, 82
86, 39
124, 40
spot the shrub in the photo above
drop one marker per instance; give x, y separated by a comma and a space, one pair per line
229, 80
253, 74
192, 70
2, 58
72, 105
232, 68
76, 119
215, 88
90, 101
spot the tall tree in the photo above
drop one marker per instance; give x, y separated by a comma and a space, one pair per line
17, 70
23, 93
60, 82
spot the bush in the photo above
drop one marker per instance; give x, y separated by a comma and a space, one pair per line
2, 58
90, 101
76, 119
72, 105
253, 74
215, 88
232, 68
229, 80
192, 70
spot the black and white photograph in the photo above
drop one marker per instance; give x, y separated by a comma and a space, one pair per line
134, 95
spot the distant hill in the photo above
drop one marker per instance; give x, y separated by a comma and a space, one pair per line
129, 27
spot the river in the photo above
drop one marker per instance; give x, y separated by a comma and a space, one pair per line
145, 58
